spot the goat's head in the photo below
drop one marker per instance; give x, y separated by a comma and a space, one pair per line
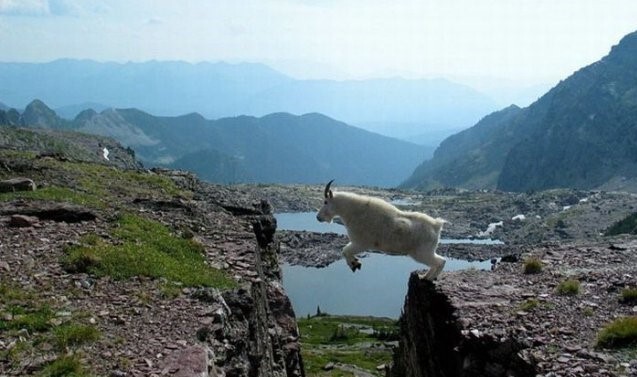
326, 213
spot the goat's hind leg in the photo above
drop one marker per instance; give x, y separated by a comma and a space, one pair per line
349, 251
435, 262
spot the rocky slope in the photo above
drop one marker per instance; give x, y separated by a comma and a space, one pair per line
68, 145
146, 326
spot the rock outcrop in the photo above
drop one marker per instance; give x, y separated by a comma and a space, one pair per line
17, 184
508, 323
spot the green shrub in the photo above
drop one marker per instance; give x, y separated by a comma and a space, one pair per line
629, 295
532, 265
621, 332
569, 287
628, 225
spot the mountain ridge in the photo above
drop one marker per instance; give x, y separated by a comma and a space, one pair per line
219, 90
581, 134
275, 148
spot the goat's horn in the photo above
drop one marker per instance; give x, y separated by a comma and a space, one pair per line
327, 187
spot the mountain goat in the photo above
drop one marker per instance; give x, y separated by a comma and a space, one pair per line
374, 224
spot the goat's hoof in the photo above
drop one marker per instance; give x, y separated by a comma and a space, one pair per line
426, 277
356, 265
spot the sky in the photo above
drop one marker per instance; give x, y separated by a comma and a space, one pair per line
525, 41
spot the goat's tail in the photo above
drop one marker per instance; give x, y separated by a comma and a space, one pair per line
440, 222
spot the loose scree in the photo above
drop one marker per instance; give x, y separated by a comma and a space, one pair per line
374, 224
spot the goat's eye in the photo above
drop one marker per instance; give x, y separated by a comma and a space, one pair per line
325, 202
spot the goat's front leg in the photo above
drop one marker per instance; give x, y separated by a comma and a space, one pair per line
349, 251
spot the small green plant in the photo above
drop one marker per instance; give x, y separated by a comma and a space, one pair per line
532, 265
65, 366
529, 305
170, 291
30, 317
569, 287
629, 295
588, 312
72, 335
622, 332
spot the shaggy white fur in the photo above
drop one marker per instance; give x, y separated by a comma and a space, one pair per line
374, 224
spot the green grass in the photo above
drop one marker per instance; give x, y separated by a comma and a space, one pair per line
25, 309
569, 287
27, 316
146, 248
620, 333
16, 154
11, 294
107, 181
92, 185
56, 194
529, 305
532, 265
629, 295
73, 335
340, 339
65, 366
20, 309
588, 312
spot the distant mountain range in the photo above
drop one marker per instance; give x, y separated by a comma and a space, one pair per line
396, 107
581, 134
276, 148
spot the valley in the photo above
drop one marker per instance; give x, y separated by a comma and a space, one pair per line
175, 233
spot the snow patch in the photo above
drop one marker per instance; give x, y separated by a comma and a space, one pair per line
518, 217
490, 229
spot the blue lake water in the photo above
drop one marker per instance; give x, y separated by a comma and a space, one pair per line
378, 289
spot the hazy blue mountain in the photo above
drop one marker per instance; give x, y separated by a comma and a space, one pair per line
223, 90
588, 134
37, 114
582, 134
3, 106
382, 102
71, 111
167, 88
472, 158
281, 147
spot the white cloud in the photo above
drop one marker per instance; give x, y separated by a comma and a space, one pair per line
154, 21
24, 7
524, 40
37, 8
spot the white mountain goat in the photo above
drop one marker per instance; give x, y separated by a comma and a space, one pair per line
374, 224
